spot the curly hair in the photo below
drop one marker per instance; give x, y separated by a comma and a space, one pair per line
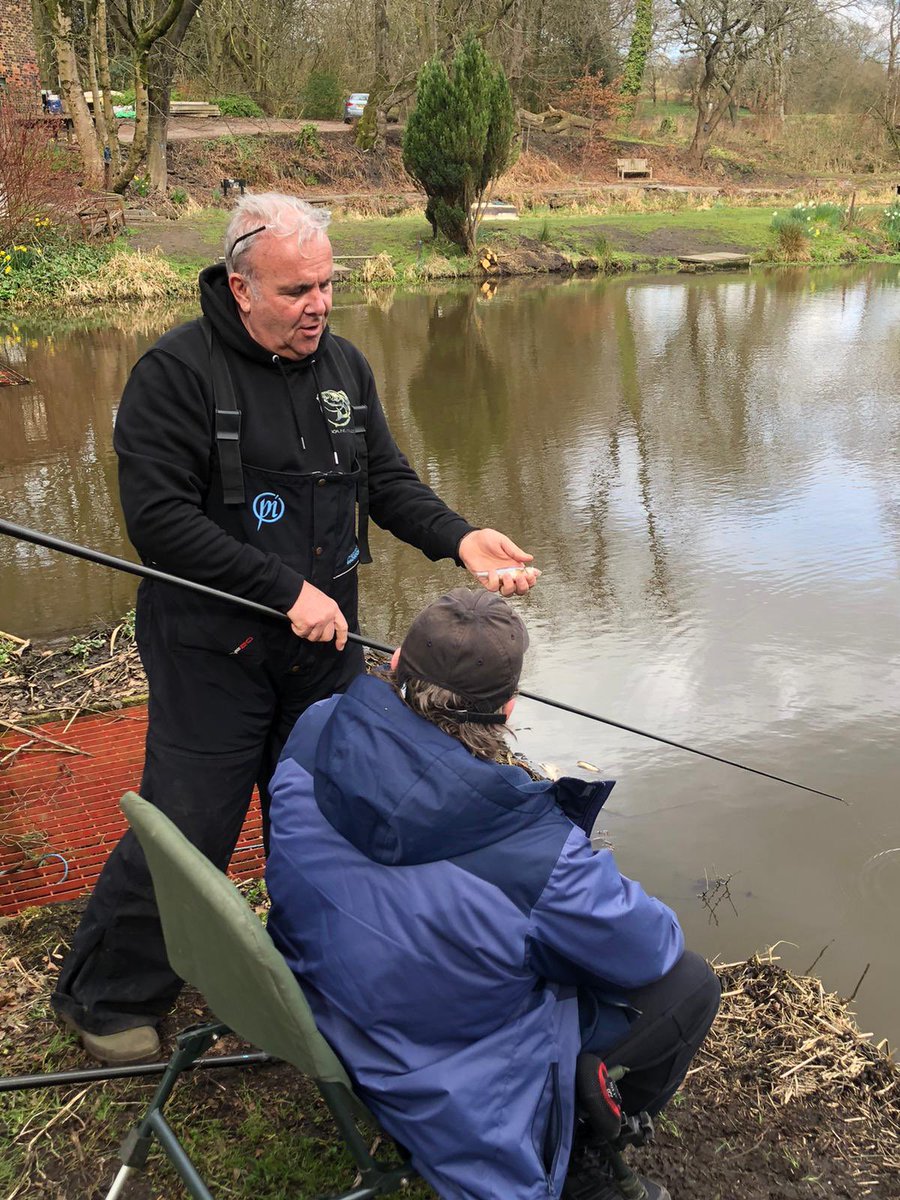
431, 702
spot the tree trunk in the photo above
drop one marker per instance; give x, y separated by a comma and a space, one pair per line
372, 129
102, 31
779, 77
161, 69
159, 97
72, 91
892, 103
710, 109
100, 130
141, 121
144, 43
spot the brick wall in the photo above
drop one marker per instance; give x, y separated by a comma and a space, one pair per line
18, 58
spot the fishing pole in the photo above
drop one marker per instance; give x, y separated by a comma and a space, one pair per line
131, 568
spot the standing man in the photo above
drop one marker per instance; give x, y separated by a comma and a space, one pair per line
252, 449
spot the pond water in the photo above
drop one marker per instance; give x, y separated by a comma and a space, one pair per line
706, 471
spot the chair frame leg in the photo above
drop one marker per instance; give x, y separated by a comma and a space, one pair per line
376, 1178
190, 1044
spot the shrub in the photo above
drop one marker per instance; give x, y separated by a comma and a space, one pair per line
793, 239
891, 224
238, 106
36, 178
590, 97
322, 98
379, 269
43, 270
308, 140
668, 126
179, 197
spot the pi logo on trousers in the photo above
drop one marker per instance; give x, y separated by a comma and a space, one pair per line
268, 507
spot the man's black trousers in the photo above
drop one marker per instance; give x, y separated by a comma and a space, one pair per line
217, 723
675, 1015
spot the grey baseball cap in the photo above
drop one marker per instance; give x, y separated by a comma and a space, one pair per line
470, 642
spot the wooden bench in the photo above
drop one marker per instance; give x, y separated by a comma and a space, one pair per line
103, 216
633, 166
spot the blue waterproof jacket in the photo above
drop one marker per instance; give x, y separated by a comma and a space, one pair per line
440, 911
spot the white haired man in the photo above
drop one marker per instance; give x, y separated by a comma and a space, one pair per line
252, 448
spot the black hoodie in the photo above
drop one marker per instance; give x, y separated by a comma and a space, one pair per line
168, 476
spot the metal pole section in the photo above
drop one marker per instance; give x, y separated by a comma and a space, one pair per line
122, 564
21, 1083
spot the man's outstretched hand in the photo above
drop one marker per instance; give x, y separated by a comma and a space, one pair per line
317, 618
485, 552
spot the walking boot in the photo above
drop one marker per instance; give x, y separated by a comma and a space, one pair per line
139, 1044
598, 1173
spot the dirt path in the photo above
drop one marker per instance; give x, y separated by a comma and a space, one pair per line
182, 129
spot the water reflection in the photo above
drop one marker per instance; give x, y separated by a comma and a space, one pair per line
705, 470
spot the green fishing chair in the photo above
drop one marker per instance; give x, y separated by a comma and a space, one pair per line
218, 944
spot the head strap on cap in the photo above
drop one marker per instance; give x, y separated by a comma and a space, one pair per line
466, 715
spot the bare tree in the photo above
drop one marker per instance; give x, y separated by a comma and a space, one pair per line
726, 35
141, 24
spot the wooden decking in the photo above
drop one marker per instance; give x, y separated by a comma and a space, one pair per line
718, 260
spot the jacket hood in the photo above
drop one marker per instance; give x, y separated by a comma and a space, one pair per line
219, 308
403, 792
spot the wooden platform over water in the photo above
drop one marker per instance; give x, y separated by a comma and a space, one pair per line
716, 261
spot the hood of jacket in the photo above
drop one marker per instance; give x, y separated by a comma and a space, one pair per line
221, 311
402, 791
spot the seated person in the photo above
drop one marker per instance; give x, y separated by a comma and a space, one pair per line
458, 939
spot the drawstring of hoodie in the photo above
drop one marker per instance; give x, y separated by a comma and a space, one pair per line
276, 359
312, 363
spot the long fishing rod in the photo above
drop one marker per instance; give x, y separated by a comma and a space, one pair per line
132, 568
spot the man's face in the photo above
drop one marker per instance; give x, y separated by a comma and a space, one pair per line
286, 303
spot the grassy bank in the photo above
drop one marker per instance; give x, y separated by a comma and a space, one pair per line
638, 231
59, 275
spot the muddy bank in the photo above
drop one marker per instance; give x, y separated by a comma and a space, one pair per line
92, 671
787, 1100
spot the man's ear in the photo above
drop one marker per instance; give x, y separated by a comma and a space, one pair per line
395, 658
240, 289
508, 707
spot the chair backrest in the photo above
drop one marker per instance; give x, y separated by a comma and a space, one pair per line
217, 943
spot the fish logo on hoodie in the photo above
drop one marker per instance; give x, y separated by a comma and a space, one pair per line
337, 408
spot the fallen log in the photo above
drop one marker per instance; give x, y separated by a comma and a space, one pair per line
554, 120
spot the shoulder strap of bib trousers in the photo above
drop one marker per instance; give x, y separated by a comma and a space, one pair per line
228, 420
360, 415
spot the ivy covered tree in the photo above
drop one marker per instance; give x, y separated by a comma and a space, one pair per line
460, 138
638, 49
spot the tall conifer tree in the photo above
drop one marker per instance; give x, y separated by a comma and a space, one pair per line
459, 138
